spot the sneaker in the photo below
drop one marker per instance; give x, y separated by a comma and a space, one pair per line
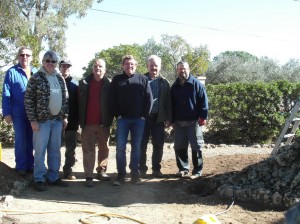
119, 181
40, 186
195, 176
103, 176
59, 183
89, 182
183, 173
157, 174
70, 177
136, 180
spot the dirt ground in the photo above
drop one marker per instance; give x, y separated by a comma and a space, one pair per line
165, 200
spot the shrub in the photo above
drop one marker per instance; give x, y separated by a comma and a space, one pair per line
249, 113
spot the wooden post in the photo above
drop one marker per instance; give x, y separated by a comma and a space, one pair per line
202, 79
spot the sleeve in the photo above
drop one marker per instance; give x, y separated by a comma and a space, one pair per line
203, 101
148, 101
30, 99
6, 94
168, 101
112, 98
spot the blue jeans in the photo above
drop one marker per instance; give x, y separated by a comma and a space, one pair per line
23, 143
183, 136
136, 128
157, 133
47, 139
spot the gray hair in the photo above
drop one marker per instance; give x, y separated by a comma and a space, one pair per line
50, 55
24, 48
98, 60
154, 58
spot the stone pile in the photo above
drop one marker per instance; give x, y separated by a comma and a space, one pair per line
273, 182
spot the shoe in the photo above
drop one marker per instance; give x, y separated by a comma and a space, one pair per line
89, 182
30, 171
22, 173
143, 174
70, 177
157, 174
119, 181
196, 175
103, 176
182, 174
40, 186
59, 183
136, 180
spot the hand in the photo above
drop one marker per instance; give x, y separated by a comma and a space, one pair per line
201, 122
65, 124
8, 119
35, 126
167, 124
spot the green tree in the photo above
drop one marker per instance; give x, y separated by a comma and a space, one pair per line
239, 66
37, 23
113, 58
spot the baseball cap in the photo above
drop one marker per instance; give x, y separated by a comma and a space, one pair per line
65, 62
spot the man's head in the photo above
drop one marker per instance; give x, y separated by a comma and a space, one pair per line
183, 71
153, 65
64, 67
50, 60
25, 57
99, 69
129, 65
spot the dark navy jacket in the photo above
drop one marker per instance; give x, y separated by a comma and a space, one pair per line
189, 101
72, 86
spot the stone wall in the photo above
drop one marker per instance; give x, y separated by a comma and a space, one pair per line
274, 182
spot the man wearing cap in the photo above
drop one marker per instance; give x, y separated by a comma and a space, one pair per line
70, 132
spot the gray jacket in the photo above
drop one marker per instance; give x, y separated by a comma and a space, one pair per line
165, 102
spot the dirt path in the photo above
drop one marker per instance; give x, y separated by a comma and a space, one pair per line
166, 200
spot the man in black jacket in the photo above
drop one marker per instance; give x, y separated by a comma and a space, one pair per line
131, 101
70, 132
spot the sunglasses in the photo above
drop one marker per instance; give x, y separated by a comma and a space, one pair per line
23, 55
50, 61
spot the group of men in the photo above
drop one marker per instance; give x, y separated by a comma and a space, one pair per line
44, 104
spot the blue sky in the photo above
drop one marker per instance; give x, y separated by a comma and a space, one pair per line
261, 27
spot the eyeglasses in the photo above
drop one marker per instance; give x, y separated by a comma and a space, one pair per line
23, 55
50, 61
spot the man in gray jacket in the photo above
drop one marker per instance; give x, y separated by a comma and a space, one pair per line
160, 117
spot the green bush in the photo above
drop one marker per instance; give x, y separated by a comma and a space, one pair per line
249, 113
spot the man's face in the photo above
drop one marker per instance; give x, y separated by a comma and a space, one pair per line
183, 72
99, 69
129, 67
65, 70
153, 68
49, 65
25, 58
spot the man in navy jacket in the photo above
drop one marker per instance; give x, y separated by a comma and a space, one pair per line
190, 110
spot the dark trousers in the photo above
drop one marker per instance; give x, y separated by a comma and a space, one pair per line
184, 136
156, 130
70, 143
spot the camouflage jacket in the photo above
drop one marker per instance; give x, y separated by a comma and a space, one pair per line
37, 98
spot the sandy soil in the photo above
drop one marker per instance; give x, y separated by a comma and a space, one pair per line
166, 200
